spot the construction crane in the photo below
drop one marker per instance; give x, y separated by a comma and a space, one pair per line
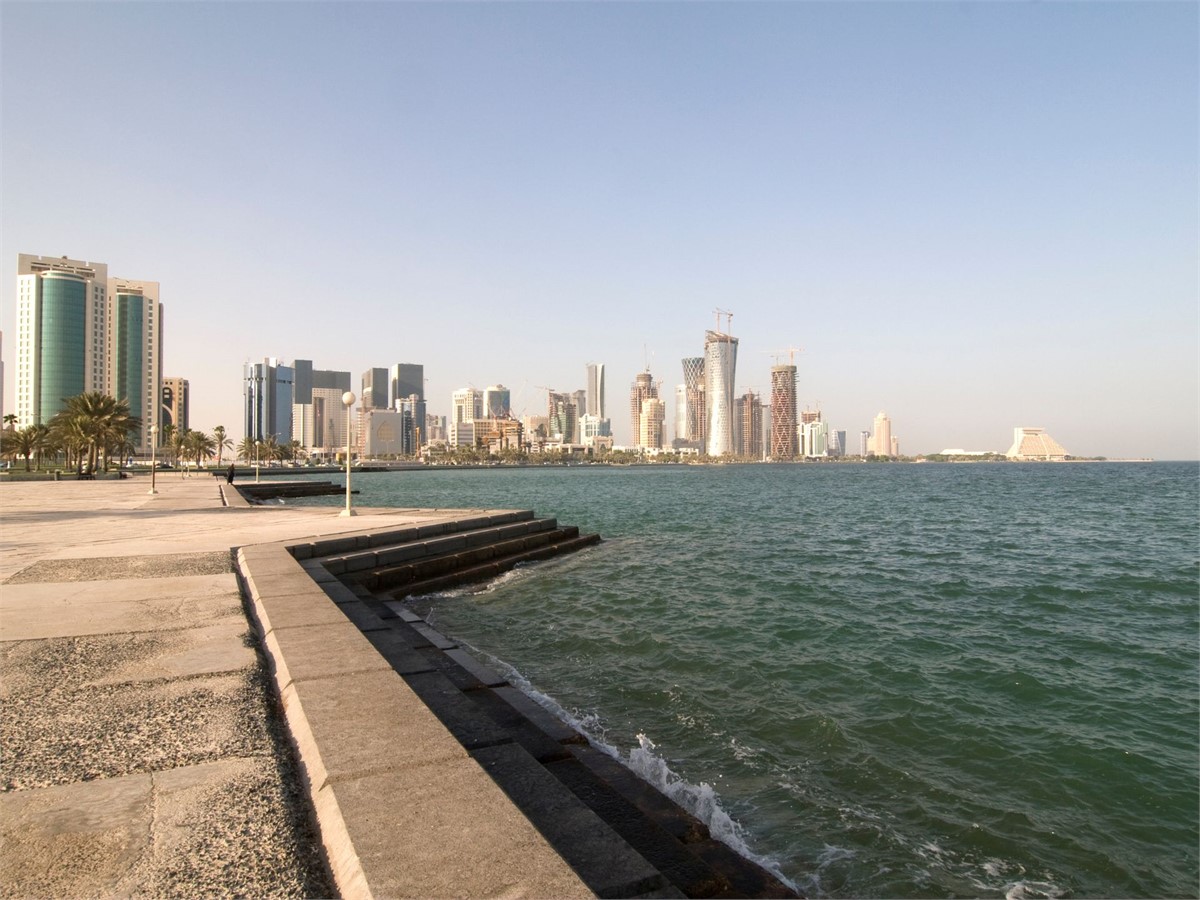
728, 320
777, 355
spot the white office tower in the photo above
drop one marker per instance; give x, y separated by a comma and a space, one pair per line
595, 390
720, 365
61, 333
466, 407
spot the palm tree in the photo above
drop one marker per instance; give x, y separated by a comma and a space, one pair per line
100, 420
222, 443
178, 444
10, 422
270, 448
20, 443
294, 450
199, 446
245, 449
166, 437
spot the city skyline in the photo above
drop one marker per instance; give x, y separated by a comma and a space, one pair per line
974, 216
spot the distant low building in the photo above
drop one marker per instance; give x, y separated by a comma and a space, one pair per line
1035, 443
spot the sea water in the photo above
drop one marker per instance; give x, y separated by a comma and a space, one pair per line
879, 680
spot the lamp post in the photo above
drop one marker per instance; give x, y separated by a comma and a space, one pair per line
257, 448
348, 401
153, 463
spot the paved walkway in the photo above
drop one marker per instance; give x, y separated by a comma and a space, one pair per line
141, 739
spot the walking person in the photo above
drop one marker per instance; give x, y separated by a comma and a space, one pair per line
229, 474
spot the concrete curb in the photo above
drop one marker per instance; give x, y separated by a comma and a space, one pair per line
396, 796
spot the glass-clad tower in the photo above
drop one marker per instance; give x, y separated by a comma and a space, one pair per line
720, 365
61, 333
135, 351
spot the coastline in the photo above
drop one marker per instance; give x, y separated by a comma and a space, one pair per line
102, 563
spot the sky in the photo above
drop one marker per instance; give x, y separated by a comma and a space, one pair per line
972, 216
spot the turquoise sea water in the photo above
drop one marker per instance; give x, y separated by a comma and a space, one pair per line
884, 680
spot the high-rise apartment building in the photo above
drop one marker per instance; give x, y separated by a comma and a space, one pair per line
720, 367
864, 443
642, 389
595, 390
783, 412
563, 414
62, 335
134, 365
654, 412
881, 440
497, 402
749, 426
176, 398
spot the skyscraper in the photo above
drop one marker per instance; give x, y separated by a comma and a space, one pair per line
269, 393
642, 389
62, 333
595, 390
497, 402
783, 412
175, 401
407, 379
134, 369
466, 406
653, 414
750, 426
693, 432
881, 440
375, 386
564, 417
720, 366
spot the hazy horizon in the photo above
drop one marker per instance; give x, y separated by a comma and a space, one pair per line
974, 216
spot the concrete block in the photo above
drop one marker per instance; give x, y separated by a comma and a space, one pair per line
395, 555
607, 864
435, 637
449, 544
362, 616
334, 546
296, 610
398, 653
487, 676
279, 585
669, 816
339, 593
402, 611
322, 651
360, 562
480, 538
661, 849
352, 725
448, 833
393, 536
465, 720
536, 742
542, 718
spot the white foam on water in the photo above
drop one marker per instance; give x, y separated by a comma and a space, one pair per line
1034, 890
698, 799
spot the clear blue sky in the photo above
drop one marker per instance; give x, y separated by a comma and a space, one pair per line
970, 215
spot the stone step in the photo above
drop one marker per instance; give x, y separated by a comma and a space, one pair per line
366, 540
491, 569
406, 547
432, 566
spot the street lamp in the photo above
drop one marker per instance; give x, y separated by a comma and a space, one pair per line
153, 464
257, 448
348, 401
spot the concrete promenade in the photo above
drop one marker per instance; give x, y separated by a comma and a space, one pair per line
143, 751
